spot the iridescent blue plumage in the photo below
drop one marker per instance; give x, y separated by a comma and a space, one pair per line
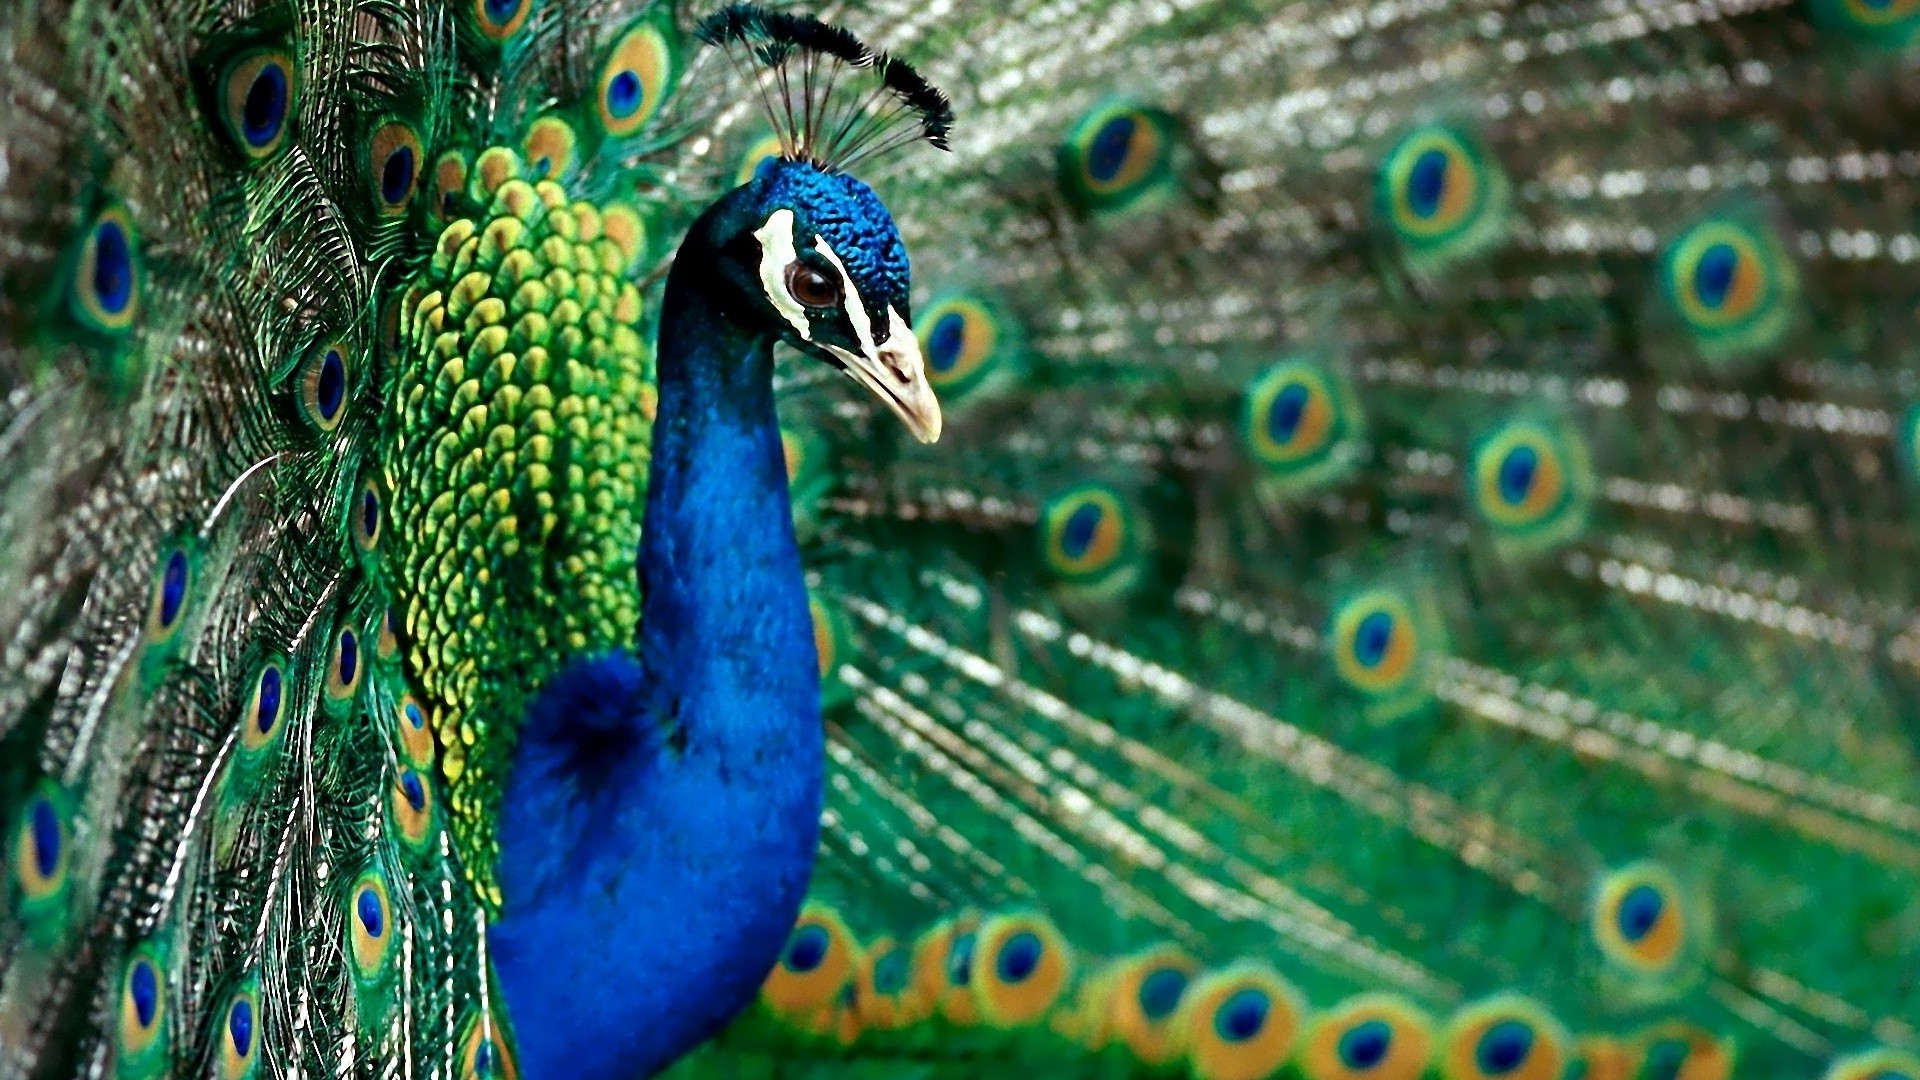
663, 806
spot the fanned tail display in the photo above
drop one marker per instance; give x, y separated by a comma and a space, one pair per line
1415, 578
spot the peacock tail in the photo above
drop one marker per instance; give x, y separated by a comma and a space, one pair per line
1412, 584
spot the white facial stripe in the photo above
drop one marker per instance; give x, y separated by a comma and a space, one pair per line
855, 307
777, 252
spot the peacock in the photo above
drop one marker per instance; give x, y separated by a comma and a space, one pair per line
1413, 579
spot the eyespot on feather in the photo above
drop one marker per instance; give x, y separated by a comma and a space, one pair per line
1300, 425
818, 962
258, 93
366, 515
1640, 920
1143, 999
172, 594
1440, 194
1240, 1023
108, 276
1731, 284
550, 148
326, 385
263, 716
499, 20
370, 929
1093, 542
1677, 1050
1376, 1036
972, 348
346, 666
1384, 646
395, 162
1531, 484
140, 1032
486, 1048
1504, 1037
415, 732
640, 71
42, 861
1021, 967
239, 1033
1118, 155
410, 808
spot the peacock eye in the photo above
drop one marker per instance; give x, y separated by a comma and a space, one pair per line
812, 287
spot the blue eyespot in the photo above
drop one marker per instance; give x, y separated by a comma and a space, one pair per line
325, 378
1427, 182
394, 157
46, 837
1504, 1047
1081, 527
372, 919
1441, 196
1713, 274
1517, 470
1242, 1016
333, 384
1371, 640
112, 267
411, 788
173, 588
808, 949
396, 176
104, 293
349, 667
240, 1027
1119, 155
267, 711
1640, 912
636, 77
265, 108
945, 340
143, 986
1366, 1044
1160, 993
1019, 957
256, 101
1732, 285
1108, 152
1284, 415
623, 94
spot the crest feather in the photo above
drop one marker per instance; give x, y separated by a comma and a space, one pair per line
832, 100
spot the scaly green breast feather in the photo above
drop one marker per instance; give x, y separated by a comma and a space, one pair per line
516, 453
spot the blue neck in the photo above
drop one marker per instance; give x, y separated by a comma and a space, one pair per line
662, 810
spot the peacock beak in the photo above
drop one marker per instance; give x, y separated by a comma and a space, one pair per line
897, 375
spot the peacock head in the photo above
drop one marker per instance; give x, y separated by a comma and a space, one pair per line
815, 253
803, 243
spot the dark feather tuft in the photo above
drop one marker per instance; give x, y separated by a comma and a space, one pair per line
832, 99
